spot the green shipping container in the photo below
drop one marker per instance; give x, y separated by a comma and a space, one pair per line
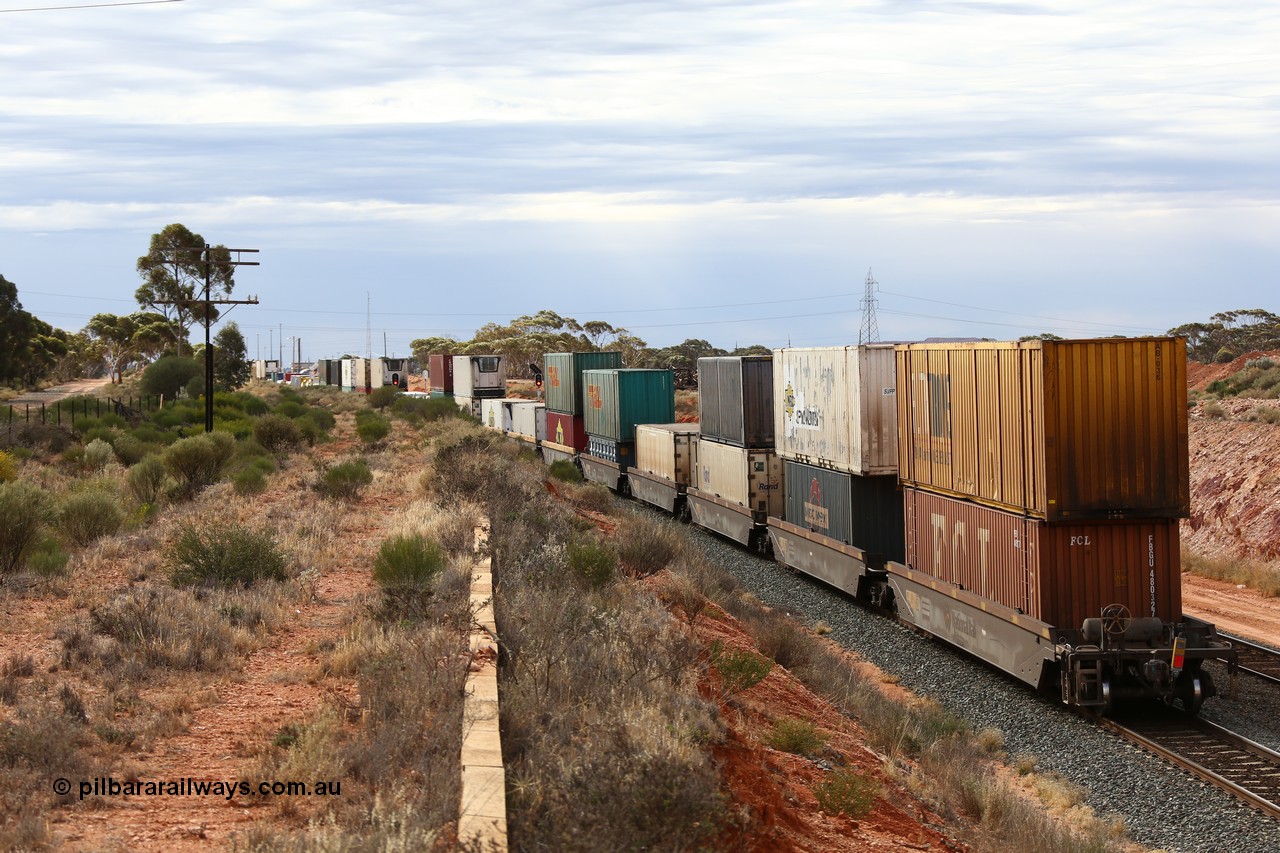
617, 400
562, 373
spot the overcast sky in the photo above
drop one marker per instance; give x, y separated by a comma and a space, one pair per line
719, 170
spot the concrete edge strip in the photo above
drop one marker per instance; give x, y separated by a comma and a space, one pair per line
483, 812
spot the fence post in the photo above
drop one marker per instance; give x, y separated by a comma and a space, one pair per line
42, 420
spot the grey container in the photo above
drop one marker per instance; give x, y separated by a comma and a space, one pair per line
736, 399
562, 372
865, 512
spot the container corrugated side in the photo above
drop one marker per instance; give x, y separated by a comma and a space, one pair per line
566, 430
562, 376
667, 450
491, 415
746, 476
865, 512
1061, 573
348, 374
1061, 430
835, 407
360, 374
440, 371
736, 399
616, 401
528, 417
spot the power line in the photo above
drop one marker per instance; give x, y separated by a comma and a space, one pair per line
1010, 313
92, 6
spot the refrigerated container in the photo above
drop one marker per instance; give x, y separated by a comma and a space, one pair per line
667, 451
1059, 573
735, 399
1061, 430
562, 372
528, 418
493, 414
348, 374
615, 401
479, 375
751, 478
865, 512
470, 405
834, 407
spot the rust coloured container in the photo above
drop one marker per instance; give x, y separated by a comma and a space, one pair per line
1062, 430
1060, 573
566, 430
440, 371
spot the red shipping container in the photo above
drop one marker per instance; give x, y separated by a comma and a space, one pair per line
440, 371
567, 430
1059, 573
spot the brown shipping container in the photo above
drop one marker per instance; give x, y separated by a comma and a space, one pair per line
1062, 430
440, 369
1061, 574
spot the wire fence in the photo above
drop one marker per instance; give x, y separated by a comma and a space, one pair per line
66, 411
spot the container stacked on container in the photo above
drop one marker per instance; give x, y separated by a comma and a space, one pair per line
477, 378
836, 432
562, 373
1048, 476
615, 402
736, 458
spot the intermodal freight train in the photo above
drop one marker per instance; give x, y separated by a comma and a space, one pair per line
1017, 500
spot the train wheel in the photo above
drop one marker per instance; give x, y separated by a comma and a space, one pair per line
683, 515
1193, 698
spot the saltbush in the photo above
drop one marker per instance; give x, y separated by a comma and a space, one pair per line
373, 428
89, 515
847, 792
594, 562
249, 481
345, 480
145, 480
26, 510
197, 462
380, 398
222, 554
563, 469
98, 454
277, 433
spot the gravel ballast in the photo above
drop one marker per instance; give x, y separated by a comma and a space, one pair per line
1161, 805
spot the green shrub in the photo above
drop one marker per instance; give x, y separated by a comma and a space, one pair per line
8, 467
47, 557
372, 429
130, 450
799, 737
145, 481
563, 469
197, 462
291, 408
345, 480
308, 430
249, 481
105, 434
169, 374
321, 417
277, 433
26, 510
1263, 414
97, 454
1214, 410
224, 555
847, 792
594, 562
740, 669
89, 515
411, 562
646, 546
195, 387
380, 398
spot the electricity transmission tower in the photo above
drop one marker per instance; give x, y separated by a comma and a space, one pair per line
869, 333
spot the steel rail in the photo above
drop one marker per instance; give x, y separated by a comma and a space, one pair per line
1256, 659
1224, 759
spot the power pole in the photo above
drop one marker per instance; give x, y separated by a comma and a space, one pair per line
869, 333
209, 302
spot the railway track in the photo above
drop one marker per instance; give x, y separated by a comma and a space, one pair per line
1247, 770
1255, 659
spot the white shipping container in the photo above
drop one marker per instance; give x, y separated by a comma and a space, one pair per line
528, 417
348, 373
750, 478
479, 375
492, 415
667, 450
835, 407
471, 405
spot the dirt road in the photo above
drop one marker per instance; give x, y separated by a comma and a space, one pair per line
59, 392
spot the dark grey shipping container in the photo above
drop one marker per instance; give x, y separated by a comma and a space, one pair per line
865, 512
736, 399
621, 452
